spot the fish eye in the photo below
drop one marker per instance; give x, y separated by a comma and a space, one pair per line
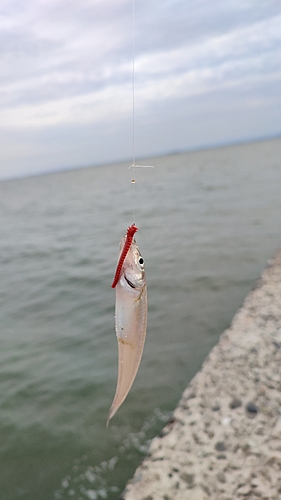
141, 261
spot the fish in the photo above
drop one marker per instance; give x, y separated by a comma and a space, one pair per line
130, 315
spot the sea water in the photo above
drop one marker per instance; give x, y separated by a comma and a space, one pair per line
208, 221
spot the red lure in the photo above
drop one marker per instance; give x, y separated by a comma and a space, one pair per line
129, 238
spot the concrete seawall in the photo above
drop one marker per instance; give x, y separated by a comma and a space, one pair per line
224, 440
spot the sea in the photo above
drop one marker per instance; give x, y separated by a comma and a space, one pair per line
208, 222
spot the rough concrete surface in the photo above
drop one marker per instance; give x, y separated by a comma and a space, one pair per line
224, 440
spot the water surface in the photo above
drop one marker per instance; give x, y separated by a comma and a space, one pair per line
208, 221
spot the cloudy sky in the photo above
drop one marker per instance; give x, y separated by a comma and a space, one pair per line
207, 72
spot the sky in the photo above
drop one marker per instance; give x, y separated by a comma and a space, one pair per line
207, 72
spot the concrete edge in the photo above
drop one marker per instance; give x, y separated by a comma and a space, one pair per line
224, 438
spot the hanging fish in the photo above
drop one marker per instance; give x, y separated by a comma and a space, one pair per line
130, 315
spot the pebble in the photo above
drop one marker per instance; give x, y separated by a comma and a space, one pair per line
216, 407
188, 478
221, 477
220, 446
235, 403
251, 408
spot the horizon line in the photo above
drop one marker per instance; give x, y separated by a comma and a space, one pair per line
170, 152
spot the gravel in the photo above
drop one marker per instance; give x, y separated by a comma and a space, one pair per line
224, 439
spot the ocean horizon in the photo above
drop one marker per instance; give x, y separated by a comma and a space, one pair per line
145, 157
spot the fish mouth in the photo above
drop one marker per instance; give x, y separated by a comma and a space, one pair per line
129, 282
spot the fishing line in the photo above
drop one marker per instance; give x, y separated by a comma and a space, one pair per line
133, 86
134, 166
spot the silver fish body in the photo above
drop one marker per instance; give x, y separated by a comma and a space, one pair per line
130, 321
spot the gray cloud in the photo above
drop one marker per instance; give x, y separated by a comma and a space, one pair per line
65, 78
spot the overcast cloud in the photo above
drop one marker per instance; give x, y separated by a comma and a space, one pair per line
207, 72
